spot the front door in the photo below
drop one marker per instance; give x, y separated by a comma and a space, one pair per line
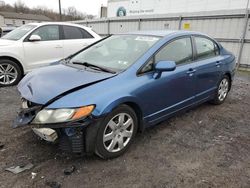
173, 90
46, 51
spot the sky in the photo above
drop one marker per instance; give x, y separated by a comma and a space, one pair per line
85, 6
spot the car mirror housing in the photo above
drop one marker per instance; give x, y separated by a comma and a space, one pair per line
163, 66
34, 38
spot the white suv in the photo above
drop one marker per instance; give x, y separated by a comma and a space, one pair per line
39, 44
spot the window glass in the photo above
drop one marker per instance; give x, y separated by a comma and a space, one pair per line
205, 48
179, 51
19, 32
117, 52
148, 67
86, 34
49, 32
73, 33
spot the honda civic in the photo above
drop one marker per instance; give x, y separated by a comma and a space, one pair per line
96, 100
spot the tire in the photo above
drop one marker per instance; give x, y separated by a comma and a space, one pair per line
114, 136
10, 73
222, 90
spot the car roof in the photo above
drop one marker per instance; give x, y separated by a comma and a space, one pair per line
57, 23
163, 33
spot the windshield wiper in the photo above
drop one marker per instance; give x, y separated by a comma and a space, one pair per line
86, 64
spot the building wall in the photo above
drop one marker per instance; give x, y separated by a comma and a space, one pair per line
1, 20
148, 7
16, 22
225, 26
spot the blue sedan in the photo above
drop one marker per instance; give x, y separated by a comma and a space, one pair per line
96, 100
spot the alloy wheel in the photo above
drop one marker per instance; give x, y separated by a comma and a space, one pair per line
118, 132
223, 89
8, 74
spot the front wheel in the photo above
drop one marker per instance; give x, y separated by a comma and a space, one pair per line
10, 73
116, 132
222, 91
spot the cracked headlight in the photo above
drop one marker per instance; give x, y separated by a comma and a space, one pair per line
47, 116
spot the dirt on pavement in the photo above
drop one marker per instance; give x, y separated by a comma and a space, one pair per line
208, 146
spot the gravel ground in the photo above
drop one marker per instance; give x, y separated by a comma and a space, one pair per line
208, 146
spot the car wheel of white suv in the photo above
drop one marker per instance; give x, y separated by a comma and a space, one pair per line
10, 73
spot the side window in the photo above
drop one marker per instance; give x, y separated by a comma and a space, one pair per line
86, 35
75, 33
47, 33
149, 66
205, 48
179, 51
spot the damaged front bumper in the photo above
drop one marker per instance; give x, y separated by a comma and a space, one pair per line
26, 115
70, 135
47, 134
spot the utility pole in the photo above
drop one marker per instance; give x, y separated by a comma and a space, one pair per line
242, 39
60, 10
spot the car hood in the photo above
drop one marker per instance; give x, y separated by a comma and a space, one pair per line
4, 42
44, 84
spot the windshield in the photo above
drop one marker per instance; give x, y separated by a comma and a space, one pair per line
19, 32
117, 52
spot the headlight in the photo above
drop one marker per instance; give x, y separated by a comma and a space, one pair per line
62, 115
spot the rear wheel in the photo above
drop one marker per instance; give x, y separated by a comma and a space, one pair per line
10, 73
116, 132
222, 90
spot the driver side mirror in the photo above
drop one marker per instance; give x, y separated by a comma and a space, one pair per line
163, 66
34, 38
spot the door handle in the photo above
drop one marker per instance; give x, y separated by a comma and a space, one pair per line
217, 64
191, 72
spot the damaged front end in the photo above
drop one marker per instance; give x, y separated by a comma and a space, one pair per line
64, 124
27, 113
69, 135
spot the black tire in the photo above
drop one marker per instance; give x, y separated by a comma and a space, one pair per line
15, 71
101, 146
217, 99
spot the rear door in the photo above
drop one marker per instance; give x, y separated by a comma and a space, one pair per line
75, 39
208, 66
46, 51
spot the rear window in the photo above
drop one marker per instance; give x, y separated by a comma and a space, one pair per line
75, 33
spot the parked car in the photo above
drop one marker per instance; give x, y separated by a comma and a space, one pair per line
39, 44
6, 29
97, 100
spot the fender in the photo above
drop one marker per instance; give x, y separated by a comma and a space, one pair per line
13, 56
125, 99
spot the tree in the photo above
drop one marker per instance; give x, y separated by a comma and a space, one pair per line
71, 13
20, 6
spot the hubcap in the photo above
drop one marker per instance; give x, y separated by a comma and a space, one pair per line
118, 132
8, 74
223, 89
